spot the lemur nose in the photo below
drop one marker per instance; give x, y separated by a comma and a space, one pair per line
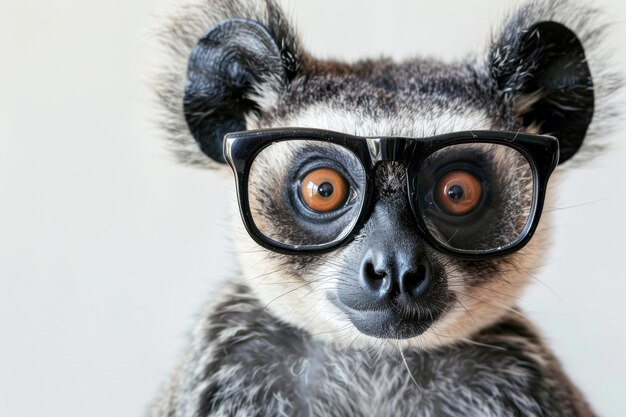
387, 277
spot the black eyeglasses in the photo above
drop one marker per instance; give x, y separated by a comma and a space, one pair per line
474, 194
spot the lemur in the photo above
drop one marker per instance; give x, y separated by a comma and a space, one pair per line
384, 214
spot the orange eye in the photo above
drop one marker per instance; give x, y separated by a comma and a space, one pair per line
458, 192
324, 190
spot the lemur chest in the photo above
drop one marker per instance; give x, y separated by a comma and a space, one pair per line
291, 378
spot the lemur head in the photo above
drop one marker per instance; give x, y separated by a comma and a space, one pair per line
240, 66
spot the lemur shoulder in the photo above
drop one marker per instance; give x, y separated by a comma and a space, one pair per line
376, 280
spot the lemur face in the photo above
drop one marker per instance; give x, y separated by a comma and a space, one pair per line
387, 284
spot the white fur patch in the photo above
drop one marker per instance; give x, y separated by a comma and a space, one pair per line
434, 121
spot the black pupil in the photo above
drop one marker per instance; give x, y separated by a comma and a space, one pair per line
455, 192
325, 189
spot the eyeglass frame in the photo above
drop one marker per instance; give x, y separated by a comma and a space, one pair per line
541, 152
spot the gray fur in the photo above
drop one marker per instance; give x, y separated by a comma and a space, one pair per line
244, 362
273, 344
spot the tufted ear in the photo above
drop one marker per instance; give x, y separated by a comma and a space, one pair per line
541, 67
235, 63
223, 60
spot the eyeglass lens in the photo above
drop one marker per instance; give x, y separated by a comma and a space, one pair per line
472, 197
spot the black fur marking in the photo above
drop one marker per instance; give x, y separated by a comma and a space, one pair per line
547, 63
228, 63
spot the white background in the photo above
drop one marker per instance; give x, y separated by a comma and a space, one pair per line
108, 248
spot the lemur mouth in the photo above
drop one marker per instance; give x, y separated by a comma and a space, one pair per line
394, 320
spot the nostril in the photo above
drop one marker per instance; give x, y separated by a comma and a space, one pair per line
374, 280
372, 273
416, 281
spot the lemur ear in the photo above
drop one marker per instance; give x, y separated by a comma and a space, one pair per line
542, 68
234, 61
